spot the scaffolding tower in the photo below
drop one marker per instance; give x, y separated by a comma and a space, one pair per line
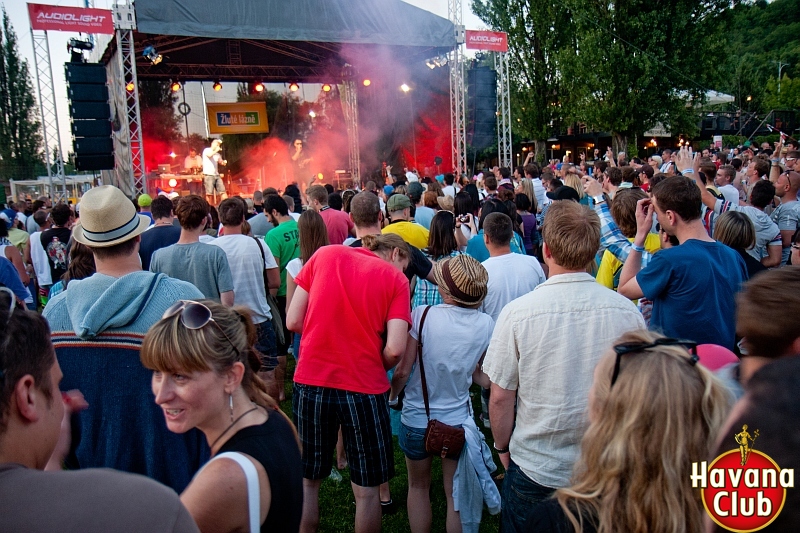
350, 110
51, 134
458, 116
504, 147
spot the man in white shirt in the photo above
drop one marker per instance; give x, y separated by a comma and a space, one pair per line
211, 178
249, 259
724, 180
542, 357
787, 215
532, 173
449, 188
193, 164
510, 275
666, 160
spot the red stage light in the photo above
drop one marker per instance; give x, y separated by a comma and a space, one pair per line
176, 86
326, 87
293, 87
217, 86
367, 83
130, 87
258, 87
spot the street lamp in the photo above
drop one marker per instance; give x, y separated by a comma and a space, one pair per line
780, 68
406, 89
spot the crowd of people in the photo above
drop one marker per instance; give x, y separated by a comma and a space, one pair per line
618, 320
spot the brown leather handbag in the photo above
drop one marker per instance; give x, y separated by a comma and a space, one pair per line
440, 439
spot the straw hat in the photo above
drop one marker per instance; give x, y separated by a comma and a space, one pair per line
446, 203
108, 217
462, 278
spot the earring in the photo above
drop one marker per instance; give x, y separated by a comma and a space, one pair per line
230, 398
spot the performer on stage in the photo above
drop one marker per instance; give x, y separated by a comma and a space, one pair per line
193, 164
300, 161
211, 178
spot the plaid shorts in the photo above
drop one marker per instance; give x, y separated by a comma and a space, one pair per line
267, 345
367, 432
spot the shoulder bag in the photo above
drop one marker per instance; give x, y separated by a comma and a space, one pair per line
277, 323
440, 439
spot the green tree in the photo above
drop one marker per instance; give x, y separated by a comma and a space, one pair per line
787, 98
537, 30
157, 108
20, 137
639, 63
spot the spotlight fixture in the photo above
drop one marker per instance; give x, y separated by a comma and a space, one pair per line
173, 182
176, 86
438, 61
320, 176
367, 83
217, 85
130, 87
326, 87
312, 114
405, 88
152, 54
293, 87
173, 155
258, 87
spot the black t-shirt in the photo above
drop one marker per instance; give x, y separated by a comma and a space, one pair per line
156, 238
419, 265
55, 242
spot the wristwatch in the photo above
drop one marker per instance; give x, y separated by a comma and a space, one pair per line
599, 199
500, 450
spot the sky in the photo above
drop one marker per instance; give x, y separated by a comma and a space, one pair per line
18, 13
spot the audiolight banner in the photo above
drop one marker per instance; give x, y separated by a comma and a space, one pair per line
492, 41
241, 117
76, 19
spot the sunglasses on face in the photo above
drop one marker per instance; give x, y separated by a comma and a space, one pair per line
790, 159
639, 347
194, 316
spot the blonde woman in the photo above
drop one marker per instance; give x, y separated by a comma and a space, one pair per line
574, 181
735, 230
526, 187
204, 376
652, 411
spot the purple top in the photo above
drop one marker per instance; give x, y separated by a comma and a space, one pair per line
529, 228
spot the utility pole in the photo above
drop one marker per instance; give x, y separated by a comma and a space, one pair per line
780, 68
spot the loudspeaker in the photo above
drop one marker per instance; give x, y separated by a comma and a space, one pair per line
481, 107
94, 162
91, 116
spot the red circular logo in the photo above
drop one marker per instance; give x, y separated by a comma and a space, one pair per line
743, 498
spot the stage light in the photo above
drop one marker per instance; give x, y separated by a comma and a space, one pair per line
293, 87
405, 88
367, 83
312, 114
173, 182
326, 87
173, 155
152, 54
176, 86
130, 87
319, 176
258, 87
217, 85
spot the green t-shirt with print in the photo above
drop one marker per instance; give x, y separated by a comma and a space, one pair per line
284, 242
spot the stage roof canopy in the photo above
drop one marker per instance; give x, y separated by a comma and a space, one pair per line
269, 40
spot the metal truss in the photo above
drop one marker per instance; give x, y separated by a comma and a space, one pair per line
131, 119
350, 109
504, 147
51, 133
243, 73
458, 129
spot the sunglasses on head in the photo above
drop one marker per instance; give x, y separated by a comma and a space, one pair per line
195, 315
638, 347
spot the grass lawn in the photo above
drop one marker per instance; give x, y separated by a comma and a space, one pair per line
337, 504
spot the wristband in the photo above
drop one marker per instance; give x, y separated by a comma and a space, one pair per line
394, 402
636, 248
688, 171
500, 450
599, 199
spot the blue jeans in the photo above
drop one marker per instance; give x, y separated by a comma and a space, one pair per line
520, 495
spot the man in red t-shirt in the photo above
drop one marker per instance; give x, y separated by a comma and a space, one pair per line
339, 225
352, 307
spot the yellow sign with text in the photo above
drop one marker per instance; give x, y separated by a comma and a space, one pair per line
241, 117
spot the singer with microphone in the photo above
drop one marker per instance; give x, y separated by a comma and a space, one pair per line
211, 178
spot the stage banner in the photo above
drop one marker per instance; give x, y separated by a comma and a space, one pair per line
492, 41
241, 117
76, 19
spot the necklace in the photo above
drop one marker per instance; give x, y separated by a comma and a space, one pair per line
232, 424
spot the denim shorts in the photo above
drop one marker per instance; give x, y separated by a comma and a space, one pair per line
412, 442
